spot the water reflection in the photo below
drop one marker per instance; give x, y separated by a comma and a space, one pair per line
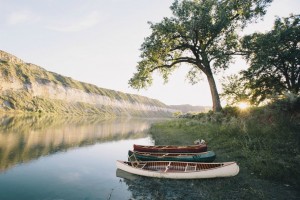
147, 188
154, 188
24, 138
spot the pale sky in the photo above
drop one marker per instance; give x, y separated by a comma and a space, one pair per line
98, 41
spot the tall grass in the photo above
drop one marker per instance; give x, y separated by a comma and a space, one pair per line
265, 141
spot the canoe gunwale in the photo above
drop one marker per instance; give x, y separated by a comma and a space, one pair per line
144, 163
171, 148
208, 156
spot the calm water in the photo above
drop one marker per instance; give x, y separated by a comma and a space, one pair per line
63, 158
46, 158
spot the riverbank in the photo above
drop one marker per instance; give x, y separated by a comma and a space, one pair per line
264, 142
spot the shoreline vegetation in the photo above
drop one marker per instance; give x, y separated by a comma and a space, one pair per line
265, 141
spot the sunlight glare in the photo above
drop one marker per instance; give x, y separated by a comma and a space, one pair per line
243, 105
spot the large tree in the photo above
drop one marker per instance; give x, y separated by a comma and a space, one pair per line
201, 34
274, 59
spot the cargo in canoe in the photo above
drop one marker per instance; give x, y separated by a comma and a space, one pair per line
208, 156
171, 148
179, 170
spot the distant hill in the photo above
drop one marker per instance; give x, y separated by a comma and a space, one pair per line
25, 87
186, 108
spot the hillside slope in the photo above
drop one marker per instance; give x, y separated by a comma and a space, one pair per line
25, 87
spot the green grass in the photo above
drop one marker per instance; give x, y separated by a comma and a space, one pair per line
265, 142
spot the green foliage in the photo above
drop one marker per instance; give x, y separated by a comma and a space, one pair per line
231, 111
274, 60
177, 114
201, 34
235, 90
289, 103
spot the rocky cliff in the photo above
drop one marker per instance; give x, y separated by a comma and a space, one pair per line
26, 87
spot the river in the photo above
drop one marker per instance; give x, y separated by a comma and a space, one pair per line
44, 157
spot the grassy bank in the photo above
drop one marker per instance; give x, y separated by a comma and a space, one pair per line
264, 141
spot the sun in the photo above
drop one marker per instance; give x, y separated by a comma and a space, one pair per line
243, 105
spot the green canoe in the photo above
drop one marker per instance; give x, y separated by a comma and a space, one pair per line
208, 156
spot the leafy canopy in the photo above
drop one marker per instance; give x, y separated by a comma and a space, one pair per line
201, 34
274, 59
236, 90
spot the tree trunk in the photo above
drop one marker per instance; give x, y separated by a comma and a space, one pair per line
214, 93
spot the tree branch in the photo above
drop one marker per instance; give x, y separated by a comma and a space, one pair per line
234, 53
175, 62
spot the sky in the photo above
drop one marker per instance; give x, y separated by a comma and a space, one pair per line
98, 42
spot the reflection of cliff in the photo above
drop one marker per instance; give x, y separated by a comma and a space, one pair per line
25, 138
28, 87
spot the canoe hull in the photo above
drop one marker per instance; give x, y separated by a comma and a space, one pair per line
225, 170
208, 156
171, 149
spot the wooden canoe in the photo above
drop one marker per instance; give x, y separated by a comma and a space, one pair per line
179, 170
171, 148
208, 156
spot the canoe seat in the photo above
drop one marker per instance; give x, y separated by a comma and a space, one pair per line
190, 168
